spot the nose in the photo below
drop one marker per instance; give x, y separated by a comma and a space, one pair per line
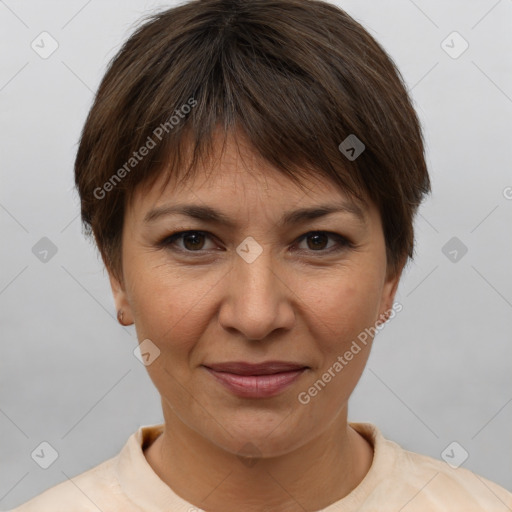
257, 300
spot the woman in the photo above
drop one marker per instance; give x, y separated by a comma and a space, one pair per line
250, 172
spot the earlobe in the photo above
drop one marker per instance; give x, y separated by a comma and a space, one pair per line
121, 320
124, 312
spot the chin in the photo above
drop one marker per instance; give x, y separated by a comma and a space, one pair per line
261, 433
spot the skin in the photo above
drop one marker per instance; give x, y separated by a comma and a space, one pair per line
299, 301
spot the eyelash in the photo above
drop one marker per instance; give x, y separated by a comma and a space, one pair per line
342, 242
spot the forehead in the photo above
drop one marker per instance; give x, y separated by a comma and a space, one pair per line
235, 173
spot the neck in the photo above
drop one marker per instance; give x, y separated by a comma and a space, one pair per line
310, 477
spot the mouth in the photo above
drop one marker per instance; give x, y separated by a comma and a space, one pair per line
260, 380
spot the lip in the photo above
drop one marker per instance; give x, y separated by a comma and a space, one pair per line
261, 380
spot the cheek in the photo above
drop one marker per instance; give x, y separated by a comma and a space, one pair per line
340, 312
169, 304
343, 304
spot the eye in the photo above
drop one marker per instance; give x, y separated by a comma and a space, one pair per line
317, 241
193, 241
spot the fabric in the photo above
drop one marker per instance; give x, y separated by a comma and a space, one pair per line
398, 480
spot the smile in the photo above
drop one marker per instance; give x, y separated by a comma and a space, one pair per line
256, 386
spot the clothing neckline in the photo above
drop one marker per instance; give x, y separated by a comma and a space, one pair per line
144, 487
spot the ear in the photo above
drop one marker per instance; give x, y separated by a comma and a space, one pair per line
120, 299
388, 293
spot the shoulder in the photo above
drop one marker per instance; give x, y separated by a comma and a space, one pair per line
450, 488
93, 490
87, 492
107, 486
406, 480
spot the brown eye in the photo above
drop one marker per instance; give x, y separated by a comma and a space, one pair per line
191, 241
319, 241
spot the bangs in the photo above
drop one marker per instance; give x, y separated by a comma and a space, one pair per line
295, 79
289, 119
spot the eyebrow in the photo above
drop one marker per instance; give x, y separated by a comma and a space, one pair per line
209, 214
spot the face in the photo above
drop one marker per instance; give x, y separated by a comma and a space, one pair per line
253, 284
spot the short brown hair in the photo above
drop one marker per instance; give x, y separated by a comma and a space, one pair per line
297, 77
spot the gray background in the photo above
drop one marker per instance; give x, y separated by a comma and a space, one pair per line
439, 372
